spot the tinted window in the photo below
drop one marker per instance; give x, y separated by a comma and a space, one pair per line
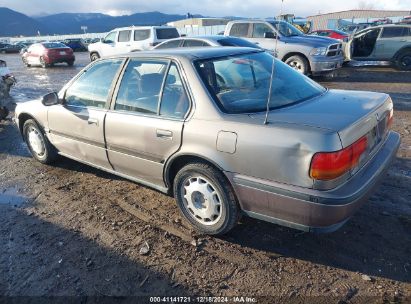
167, 33
124, 36
111, 37
391, 32
141, 35
91, 89
240, 84
194, 43
54, 45
239, 30
174, 102
141, 86
169, 44
260, 29
236, 42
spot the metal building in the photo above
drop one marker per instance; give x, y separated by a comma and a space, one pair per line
334, 20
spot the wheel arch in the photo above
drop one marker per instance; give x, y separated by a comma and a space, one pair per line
23, 117
179, 161
290, 54
401, 50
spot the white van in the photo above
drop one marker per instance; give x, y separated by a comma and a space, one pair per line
131, 39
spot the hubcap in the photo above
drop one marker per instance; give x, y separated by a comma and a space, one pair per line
296, 65
201, 200
406, 61
36, 141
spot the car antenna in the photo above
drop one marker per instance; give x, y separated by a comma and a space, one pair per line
267, 110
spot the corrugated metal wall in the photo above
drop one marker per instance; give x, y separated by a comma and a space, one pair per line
321, 21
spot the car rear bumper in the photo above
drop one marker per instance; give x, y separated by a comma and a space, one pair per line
309, 209
325, 64
60, 59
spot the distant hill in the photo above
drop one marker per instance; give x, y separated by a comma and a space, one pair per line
70, 23
14, 23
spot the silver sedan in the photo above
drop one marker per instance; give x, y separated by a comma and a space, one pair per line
227, 131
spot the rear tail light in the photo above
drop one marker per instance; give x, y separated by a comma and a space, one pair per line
330, 165
390, 118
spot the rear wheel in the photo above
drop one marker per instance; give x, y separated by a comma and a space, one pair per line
404, 60
43, 63
70, 63
298, 63
206, 199
25, 62
94, 56
38, 144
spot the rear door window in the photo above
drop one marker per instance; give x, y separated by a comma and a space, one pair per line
167, 33
393, 32
124, 36
239, 29
174, 102
140, 87
140, 35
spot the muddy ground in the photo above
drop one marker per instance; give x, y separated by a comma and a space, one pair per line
71, 230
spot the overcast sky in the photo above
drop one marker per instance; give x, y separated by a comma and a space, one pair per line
244, 8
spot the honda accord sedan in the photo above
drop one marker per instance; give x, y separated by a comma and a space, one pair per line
227, 131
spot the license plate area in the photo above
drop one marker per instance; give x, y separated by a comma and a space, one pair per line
62, 53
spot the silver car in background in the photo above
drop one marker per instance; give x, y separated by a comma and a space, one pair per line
227, 131
205, 41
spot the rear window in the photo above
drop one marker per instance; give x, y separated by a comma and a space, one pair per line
241, 83
141, 35
392, 32
239, 29
167, 33
236, 42
54, 45
194, 43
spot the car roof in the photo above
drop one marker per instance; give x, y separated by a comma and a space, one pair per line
141, 27
191, 53
208, 37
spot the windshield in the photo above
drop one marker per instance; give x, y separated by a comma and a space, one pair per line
240, 84
286, 29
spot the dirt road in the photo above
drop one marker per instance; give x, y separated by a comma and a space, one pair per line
69, 229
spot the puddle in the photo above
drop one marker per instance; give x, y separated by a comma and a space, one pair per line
11, 196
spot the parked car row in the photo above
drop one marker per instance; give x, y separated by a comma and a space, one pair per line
307, 54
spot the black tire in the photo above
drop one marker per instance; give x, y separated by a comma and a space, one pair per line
49, 154
298, 63
4, 112
219, 185
26, 63
94, 56
70, 63
403, 61
43, 63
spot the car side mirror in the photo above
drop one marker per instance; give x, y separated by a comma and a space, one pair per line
51, 99
270, 35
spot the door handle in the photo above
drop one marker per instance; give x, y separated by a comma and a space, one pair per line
92, 121
164, 134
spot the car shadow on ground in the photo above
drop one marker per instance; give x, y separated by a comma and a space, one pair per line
41, 258
376, 240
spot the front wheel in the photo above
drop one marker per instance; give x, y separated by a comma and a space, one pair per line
298, 63
205, 199
94, 56
404, 61
38, 144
